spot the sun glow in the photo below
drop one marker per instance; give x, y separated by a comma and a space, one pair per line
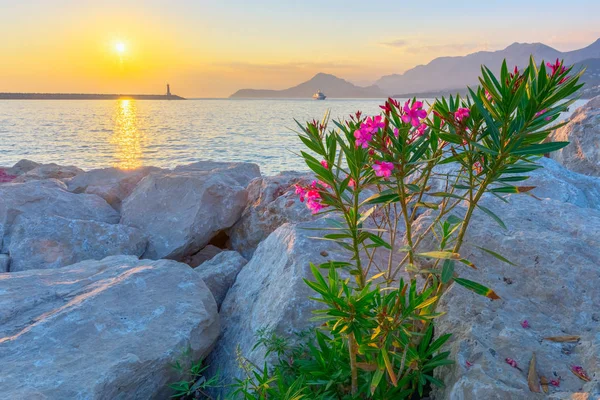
120, 47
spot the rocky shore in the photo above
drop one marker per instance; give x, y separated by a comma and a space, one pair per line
108, 276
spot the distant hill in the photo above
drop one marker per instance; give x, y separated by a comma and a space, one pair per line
591, 78
447, 73
332, 86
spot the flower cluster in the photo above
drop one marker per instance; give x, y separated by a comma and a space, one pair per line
556, 68
364, 134
383, 168
311, 195
462, 114
414, 113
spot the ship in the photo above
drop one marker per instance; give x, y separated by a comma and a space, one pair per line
319, 95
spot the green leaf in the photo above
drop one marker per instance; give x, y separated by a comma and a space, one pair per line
496, 255
494, 216
539, 149
477, 288
443, 255
447, 271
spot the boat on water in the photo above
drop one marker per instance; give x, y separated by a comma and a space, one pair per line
319, 95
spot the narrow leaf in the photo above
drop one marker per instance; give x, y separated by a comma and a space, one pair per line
477, 288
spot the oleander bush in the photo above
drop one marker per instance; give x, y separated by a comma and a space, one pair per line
375, 176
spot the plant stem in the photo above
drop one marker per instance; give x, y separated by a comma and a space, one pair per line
352, 349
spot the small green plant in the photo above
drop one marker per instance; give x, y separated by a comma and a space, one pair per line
379, 305
195, 384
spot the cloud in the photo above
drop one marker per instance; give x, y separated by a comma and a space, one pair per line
395, 43
423, 47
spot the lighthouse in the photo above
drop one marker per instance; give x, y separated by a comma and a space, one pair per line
168, 90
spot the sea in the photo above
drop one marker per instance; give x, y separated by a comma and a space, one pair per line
131, 133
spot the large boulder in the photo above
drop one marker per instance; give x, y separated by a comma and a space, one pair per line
272, 202
241, 172
554, 286
49, 171
107, 329
554, 181
180, 211
23, 166
43, 242
220, 272
48, 198
583, 131
112, 184
269, 292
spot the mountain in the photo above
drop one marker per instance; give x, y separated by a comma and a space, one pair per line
331, 85
447, 73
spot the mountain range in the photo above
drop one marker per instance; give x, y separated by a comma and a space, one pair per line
441, 75
332, 86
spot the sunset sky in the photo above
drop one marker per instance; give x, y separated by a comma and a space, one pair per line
212, 48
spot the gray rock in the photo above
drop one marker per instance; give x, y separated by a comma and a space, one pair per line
101, 329
271, 203
112, 184
49, 171
583, 131
220, 272
181, 211
48, 198
22, 167
269, 292
556, 182
53, 242
241, 172
4, 262
207, 253
554, 286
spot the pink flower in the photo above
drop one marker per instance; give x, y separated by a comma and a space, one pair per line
555, 382
462, 113
362, 138
537, 114
488, 95
314, 205
351, 183
414, 113
300, 191
324, 164
383, 168
511, 362
389, 105
556, 67
525, 324
396, 132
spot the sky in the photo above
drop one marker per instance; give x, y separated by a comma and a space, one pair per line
211, 48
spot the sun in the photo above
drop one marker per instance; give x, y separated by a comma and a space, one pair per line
120, 47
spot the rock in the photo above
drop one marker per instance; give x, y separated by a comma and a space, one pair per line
241, 172
220, 271
22, 167
47, 198
207, 253
271, 203
556, 182
105, 329
269, 292
112, 184
49, 171
554, 286
45, 242
4, 262
181, 211
583, 131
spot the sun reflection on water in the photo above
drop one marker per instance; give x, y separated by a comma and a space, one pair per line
127, 139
